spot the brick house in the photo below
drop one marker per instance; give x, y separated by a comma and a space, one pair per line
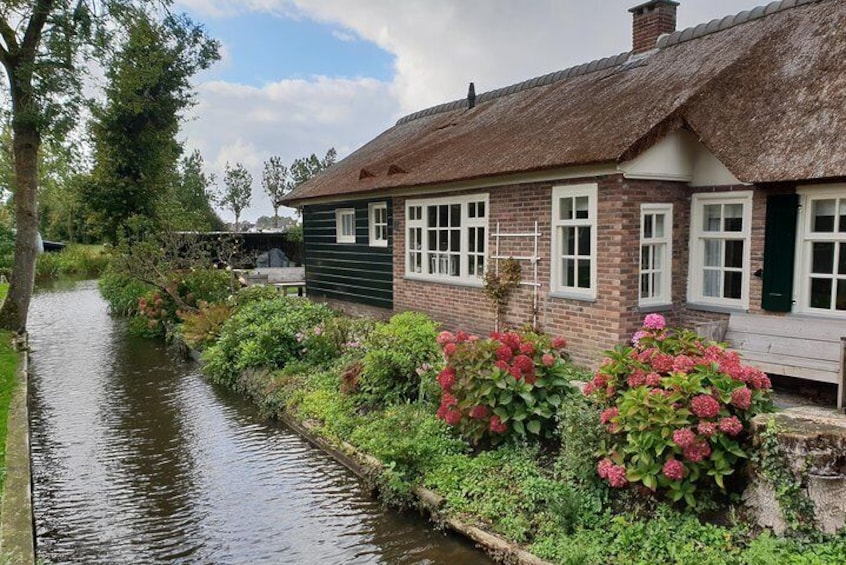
700, 174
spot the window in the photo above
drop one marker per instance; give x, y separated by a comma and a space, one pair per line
574, 241
446, 238
656, 251
719, 249
378, 213
345, 225
822, 252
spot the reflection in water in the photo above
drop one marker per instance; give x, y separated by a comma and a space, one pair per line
137, 459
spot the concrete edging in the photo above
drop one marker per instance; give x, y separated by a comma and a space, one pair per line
17, 524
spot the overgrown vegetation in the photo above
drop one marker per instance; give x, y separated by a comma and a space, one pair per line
390, 389
74, 260
8, 369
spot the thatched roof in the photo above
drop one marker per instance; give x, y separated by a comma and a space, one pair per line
765, 91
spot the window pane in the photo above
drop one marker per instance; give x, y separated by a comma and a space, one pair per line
455, 215
821, 293
658, 256
823, 257
581, 207
711, 220
455, 240
823, 213
584, 241
733, 217
480, 242
711, 283
713, 253
584, 273
480, 210
656, 284
645, 252
443, 215
471, 210
840, 299
566, 208
842, 267
433, 240
443, 240
453, 265
734, 253
647, 226
644, 286
471, 239
569, 272
659, 225
841, 223
570, 241
732, 284
431, 216
481, 270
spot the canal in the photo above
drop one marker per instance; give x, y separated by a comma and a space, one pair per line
138, 459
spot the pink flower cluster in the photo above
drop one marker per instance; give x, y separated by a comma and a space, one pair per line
614, 474
673, 469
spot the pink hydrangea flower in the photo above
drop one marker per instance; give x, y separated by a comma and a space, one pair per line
741, 398
683, 363
527, 349
602, 468
684, 437
445, 337
503, 353
617, 476
548, 359
673, 469
453, 417
654, 322
705, 406
731, 426
707, 429
496, 425
449, 349
446, 379
697, 452
653, 379
461, 337
606, 415
662, 363
636, 379
638, 335
559, 343
479, 412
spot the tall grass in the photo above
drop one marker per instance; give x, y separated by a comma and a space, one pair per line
75, 259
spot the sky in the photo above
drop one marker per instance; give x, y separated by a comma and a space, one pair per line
297, 77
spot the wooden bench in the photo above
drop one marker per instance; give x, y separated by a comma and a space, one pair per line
806, 348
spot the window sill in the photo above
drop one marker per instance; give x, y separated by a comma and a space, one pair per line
572, 296
715, 308
378, 244
648, 308
473, 283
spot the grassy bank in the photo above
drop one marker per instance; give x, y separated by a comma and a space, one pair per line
8, 368
75, 260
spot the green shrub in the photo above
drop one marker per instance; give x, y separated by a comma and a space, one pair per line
677, 409
7, 249
254, 293
509, 385
202, 328
394, 351
204, 285
582, 438
265, 334
122, 292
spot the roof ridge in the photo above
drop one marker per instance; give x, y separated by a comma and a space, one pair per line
727, 22
542, 80
668, 40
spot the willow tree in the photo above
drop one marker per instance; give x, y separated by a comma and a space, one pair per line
45, 47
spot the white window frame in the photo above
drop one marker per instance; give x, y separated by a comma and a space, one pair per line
805, 238
340, 236
558, 289
374, 224
696, 264
663, 245
464, 278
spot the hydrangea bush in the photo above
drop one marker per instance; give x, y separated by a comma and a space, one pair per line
508, 385
677, 409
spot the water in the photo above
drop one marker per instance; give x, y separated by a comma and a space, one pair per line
137, 459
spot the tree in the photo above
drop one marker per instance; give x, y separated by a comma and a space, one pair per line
188, 204
237, 191
135, 147
44, 45
275, 181
304, 168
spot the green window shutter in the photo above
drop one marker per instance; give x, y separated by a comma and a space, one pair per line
779, 252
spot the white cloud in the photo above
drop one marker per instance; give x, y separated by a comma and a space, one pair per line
439, 46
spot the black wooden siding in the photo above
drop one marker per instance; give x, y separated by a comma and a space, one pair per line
356, 271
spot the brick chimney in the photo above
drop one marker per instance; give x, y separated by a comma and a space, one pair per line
650, 21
